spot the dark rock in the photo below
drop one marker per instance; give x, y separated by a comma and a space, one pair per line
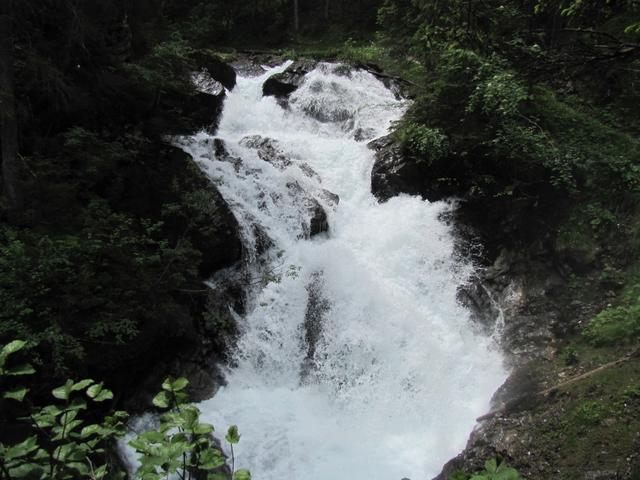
217, 68
318, 222
179, 114
363, 134
262, 240
205, 110
176, 343
249, 66
287, 82
267, 150
395, 172
221, 153
317, 307
326, 113
151, 183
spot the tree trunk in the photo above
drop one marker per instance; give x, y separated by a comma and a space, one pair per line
11, 178
296, 15
327, 4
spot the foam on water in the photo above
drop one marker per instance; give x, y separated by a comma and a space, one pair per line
398, 373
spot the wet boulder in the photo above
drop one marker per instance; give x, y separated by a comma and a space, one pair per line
363, 134
177, 113
268, 150
317, 307
395, 171
217, 68
284, 83
206, 110
221, 153
318, 222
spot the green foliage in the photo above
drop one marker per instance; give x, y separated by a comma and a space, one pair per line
570, 356
66, 441
182, 445
590, 412
499, 93
361, 53
75, 446
615, 325
167, 67
85, 273
494, 469
429, 142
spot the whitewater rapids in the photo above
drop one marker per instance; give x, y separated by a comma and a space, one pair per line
398, 372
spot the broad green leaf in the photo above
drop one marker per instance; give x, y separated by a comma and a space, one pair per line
179, 384
104, 394
242, 475
203, 429
80, 467
26, 470
181, 398
190, 415
82, 384
63, 391
24, 369
68, 416
9, 349
232, 436
507, 474
91, 430
94, 390
17, 394
491, 465
71, 426
153, 436
167, 384
211, 458
162, 400
100, 472
21, 449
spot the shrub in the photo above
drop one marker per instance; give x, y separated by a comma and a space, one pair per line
494, 469
65, 442
430, 142
615, 325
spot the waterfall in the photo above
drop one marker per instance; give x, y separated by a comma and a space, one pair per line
355, 360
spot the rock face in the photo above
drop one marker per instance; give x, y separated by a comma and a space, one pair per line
179, 343
181, 113
287, 82
217, 68
221, 153
515, 298
396, 172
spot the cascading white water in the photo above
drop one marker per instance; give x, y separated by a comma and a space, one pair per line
397, 373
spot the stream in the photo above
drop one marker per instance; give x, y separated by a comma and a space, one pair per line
355, 359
